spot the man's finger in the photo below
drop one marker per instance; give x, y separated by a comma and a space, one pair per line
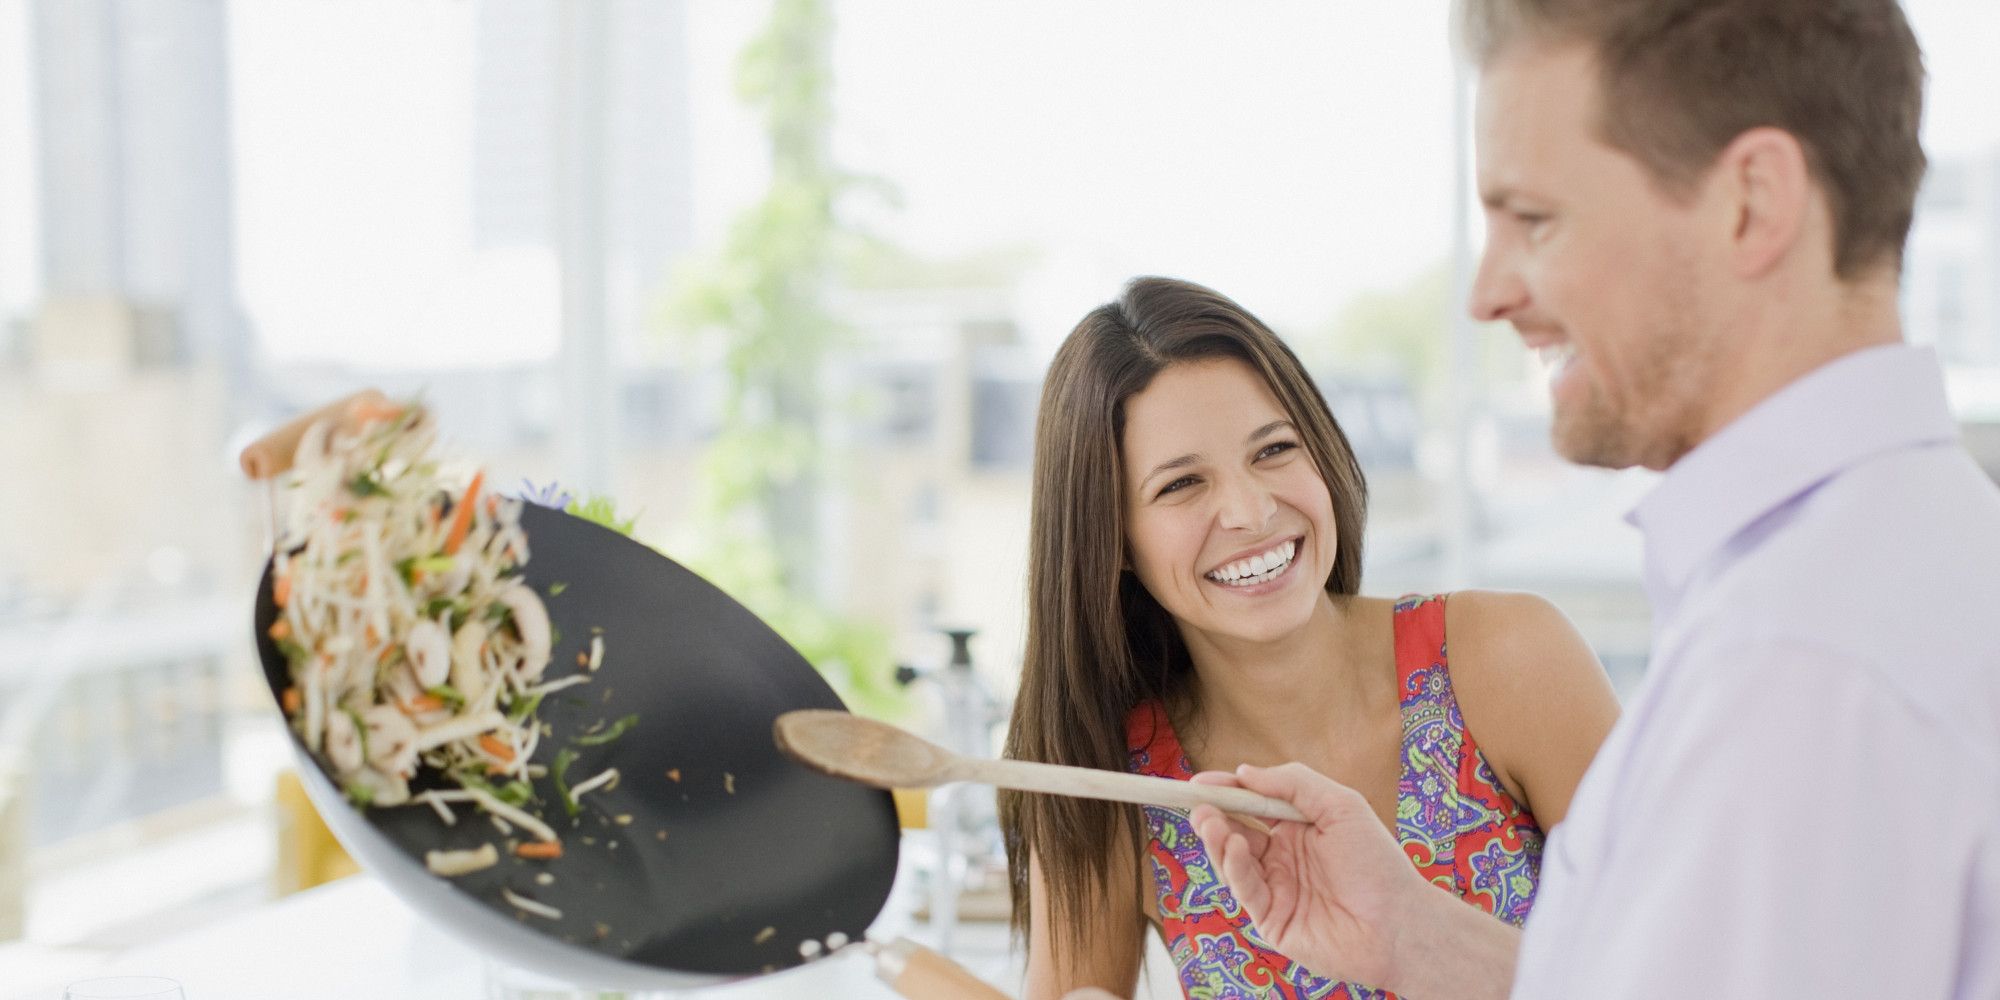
1213, 826
1242, 873
1319, 797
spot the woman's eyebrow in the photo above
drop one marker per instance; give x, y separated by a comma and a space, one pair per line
1267, 430
1190, 459
1168, 466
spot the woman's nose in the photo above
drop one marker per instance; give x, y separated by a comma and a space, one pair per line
1246, 505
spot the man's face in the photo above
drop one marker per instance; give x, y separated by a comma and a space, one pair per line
1597, 269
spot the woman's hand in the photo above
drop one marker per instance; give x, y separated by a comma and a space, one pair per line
1333, 893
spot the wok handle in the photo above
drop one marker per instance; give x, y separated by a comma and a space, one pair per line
272, 454
919, 973
1144, 789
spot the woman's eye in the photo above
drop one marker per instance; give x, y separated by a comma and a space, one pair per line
1177, 485
1275, 448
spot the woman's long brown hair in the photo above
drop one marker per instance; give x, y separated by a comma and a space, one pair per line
1097, 642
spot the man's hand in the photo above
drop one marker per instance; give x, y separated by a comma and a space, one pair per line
1335, 893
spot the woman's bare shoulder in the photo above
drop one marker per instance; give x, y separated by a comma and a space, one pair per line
1532, 692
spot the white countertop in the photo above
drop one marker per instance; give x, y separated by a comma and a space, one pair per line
352, 939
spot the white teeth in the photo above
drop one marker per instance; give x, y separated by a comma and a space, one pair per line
1556, 357
1260, 568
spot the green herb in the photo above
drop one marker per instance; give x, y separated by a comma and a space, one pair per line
361, 795
514, 793
559, 772
517, 793
364, 485
447, 694
521, 708
617, 729
599, 509
557, 588
294, 653
360, 730
435, 564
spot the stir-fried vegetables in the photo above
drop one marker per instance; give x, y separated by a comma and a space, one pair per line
412, 639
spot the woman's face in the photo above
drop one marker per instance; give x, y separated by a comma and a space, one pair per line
1228, 523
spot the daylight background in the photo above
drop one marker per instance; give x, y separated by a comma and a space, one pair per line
779, 279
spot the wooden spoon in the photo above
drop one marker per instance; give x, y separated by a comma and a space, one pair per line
879, 754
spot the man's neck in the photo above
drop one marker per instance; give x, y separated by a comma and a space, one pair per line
1787, 337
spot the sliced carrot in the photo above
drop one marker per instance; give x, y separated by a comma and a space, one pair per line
422, 703
539, 850
497, 747
461, 519
281, 590
281, 629
372, 635
291, 701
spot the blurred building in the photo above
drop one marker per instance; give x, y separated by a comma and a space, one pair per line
138, 311
645, 170
1951, 282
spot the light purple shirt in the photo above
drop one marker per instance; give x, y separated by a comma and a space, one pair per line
1803, 797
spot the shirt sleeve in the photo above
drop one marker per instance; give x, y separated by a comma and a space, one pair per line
1789, 824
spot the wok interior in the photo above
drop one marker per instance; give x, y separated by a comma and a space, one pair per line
714, 853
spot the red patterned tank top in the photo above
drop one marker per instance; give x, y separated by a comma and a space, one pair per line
1455, 821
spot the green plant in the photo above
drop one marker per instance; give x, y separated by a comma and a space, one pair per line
760, 305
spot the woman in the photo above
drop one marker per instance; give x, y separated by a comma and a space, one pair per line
1193, 605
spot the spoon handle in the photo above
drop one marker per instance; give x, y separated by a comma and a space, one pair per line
1091, 783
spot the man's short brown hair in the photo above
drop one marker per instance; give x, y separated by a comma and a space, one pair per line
1681, 79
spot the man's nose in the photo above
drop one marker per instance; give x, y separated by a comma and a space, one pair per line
1497, 289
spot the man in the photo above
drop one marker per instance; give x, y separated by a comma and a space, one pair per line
1697, 211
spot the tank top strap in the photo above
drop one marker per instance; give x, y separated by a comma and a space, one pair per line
1420, 643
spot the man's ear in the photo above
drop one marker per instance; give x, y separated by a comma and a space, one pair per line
1768, 187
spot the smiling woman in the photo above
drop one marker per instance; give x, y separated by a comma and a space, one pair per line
1194, 603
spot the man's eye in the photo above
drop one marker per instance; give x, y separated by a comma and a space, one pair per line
1178, 484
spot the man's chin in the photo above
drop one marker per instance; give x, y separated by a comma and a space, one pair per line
1597, 442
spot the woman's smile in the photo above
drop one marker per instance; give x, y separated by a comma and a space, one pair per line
1259, 572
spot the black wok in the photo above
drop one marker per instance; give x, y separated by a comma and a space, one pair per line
715, 855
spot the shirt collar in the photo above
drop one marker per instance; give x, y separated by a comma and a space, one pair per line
1854, 407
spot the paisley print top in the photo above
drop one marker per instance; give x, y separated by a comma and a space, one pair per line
1455, 821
